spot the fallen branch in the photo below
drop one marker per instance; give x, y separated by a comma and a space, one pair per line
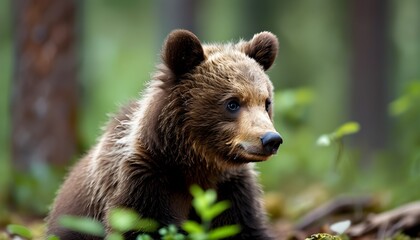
401, 219
338, 206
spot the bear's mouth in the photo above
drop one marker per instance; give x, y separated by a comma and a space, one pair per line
253, 154
255, 157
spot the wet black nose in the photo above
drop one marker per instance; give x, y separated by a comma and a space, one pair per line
271, 142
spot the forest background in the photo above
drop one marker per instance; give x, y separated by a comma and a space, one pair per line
338, 62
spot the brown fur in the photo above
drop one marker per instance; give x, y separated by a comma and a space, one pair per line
180, 133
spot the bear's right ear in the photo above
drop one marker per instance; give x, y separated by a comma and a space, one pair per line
182, 51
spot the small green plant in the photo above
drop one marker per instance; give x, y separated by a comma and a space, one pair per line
204, 203
337, 136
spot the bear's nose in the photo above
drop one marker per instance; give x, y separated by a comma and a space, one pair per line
271, 142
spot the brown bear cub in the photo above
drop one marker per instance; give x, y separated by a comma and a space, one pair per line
203, 119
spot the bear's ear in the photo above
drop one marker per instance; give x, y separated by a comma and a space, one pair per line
263, 48
182, 51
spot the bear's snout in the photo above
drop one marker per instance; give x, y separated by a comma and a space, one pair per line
271, 142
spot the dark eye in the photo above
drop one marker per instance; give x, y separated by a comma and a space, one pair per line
233, 106
267, 104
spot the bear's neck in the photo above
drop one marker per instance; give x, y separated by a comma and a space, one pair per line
181, 161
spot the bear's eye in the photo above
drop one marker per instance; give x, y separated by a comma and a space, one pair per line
267, 104
233, 105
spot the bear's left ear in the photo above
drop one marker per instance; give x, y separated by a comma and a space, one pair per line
263, 48
182, 51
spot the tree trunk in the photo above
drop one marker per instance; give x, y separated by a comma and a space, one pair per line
175, 14
369, 83
44, 88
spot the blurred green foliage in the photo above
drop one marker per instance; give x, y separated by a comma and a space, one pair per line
83, 225
33, 189
19, 230
406, 115
120, 43
124, 220
5, 83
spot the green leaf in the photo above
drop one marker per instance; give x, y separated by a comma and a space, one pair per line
215, 210
224, 232
203, 200
163, 231
144, 237
82, 225
347, 129
210, 196
413, 88
114, 236
196, 191
199, 204
198, 236
192, 227
123, 220
179, 236
304, 96
19, 230
52, 237
400, 106
147, 225
200, 201
171, 233
407, 101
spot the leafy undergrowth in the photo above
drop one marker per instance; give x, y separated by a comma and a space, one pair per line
124, 220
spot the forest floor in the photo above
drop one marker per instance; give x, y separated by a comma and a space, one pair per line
351, 218
355, 218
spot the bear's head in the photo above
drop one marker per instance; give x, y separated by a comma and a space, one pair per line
216, 100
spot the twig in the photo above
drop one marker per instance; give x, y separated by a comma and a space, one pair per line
340, 205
